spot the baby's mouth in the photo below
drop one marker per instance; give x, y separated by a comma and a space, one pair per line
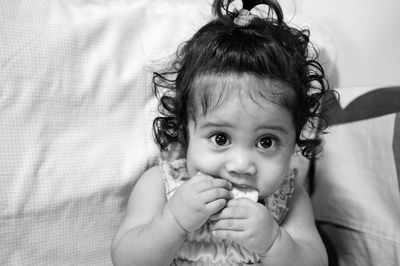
241, 186
244, 191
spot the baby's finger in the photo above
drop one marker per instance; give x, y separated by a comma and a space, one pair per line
240, 202
231, 213
228, 224
215, 216
215, 206
208, 182
216, 193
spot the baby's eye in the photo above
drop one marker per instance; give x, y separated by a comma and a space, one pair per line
266, 143
220, 139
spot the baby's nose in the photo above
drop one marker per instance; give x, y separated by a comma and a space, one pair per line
241, 162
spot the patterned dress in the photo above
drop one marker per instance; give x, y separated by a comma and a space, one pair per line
199, 247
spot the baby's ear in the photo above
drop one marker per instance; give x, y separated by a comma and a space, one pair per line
301, 164
295, 157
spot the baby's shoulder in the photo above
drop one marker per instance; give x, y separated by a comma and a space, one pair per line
153, 171
151, 178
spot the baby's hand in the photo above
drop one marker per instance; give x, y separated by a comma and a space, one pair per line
196, 200
247, 223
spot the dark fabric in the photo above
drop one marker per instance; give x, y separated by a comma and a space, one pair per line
396, 146
330, 248
378, 102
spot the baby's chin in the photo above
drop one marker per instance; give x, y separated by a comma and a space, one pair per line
245, 192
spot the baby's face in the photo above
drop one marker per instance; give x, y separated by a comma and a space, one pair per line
246, 142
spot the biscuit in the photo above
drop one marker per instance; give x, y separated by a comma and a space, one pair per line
245, 192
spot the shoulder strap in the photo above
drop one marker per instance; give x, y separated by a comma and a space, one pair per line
278, 203
173, 173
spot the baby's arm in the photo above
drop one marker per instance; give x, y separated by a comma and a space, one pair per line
149, 234
153, 229
298, 241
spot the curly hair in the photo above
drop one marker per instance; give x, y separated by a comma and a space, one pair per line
267, 48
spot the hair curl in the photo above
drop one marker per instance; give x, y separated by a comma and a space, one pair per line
267, 48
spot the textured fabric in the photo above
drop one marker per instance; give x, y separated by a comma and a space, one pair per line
357, 197
200, 248
76, 111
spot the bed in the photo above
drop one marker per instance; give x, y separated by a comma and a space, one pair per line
76, 107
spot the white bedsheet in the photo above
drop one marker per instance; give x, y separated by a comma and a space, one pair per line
76, 108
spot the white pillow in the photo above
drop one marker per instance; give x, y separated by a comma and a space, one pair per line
356, 195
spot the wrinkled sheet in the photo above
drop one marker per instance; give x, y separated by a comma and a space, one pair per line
76, 110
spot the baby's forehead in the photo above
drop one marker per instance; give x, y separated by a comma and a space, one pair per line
230, 80
211, 90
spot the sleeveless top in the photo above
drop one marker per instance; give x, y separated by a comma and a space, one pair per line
200, 248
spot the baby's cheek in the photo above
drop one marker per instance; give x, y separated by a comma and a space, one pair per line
269, 185
206, 164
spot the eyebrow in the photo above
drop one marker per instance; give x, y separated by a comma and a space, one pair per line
216, 124
228, 125
275, 128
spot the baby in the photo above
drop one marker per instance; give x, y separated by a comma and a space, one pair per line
225, 192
